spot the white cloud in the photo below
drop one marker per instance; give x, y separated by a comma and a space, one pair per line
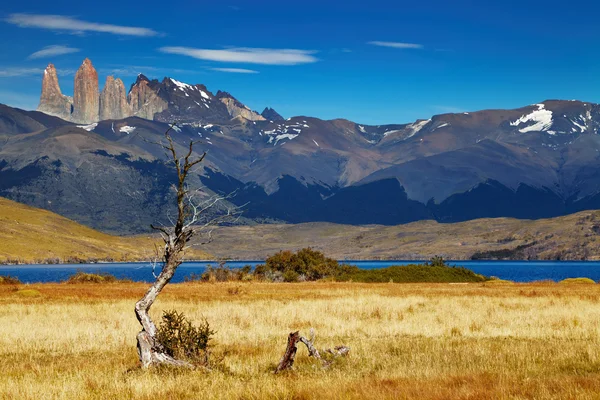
235, 70
134, 70
247, 55
397, 45
13, 72
63, 23
50, 51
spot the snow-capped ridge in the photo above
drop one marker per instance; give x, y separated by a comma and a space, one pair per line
539, 120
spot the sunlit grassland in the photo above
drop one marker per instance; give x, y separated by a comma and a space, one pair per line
33, 235
422, 341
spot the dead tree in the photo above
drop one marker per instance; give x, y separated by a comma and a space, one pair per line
287, 361
176, 240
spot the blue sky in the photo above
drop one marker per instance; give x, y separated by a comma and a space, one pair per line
371, 62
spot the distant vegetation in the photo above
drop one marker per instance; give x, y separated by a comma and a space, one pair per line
9, 280
311, 265
86, 277
578, 281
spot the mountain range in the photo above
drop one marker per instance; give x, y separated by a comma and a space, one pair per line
89, 158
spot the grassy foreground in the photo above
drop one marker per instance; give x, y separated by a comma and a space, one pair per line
32, 235
418, 341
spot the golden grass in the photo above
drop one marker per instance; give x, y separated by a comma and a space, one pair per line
413, 341
29, 235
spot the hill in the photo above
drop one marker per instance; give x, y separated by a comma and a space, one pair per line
537, 161
30, 235
572, 237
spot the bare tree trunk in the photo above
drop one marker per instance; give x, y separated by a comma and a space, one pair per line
287, 361
149, 350
176, 239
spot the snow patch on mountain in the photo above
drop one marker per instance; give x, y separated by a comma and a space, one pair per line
127, 129
182, 86
284, 131
445, 124
89, 127
539, 120
415, 128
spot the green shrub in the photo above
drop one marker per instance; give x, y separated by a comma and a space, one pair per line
222, 273
290, 276
413, 273
9, 280
304, 265
436, 261
182, 340
86, 277
578, 280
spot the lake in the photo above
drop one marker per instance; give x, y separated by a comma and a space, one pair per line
518, 271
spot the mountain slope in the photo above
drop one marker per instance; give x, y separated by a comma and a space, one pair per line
30, 235
537, 161
573, 237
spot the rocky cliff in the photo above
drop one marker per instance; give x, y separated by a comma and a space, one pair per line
144, 100
237, 109
271, 115
113, 100
52, 101
169, 100
85, 94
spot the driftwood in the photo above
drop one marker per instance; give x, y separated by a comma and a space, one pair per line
287, 361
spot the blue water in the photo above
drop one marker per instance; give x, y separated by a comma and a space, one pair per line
518, 271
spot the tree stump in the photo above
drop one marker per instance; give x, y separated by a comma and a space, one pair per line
287, 361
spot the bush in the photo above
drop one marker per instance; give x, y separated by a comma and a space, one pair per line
436, 261
182, 340
85, 277
222, 273
578, 280
306, 264
9, 280
413, 273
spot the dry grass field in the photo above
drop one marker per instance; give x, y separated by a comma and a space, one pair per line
409, 341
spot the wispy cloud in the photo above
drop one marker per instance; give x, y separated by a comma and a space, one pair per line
396, 45
50, 51
134, 70
247, 55
13, 72
73, 25
235, 70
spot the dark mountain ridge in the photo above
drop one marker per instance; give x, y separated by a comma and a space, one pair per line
537, 161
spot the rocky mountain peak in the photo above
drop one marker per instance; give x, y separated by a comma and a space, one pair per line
85, 94
237, 109
144, 100
271, 115
113, 100
52, 101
